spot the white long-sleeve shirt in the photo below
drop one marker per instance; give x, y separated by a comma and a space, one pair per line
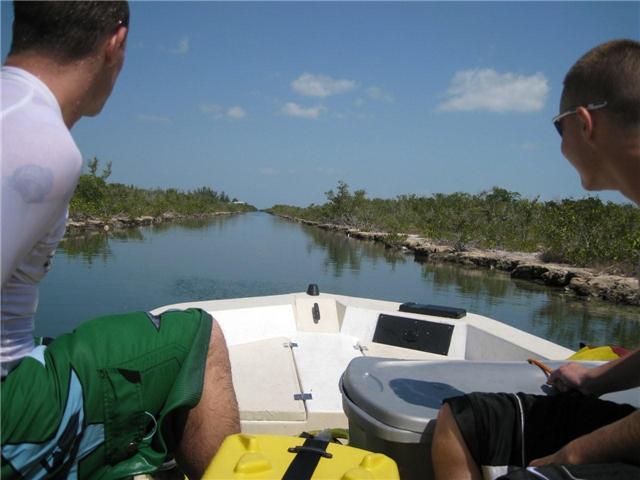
41, 165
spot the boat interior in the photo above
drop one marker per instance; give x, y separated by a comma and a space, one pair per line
288, 352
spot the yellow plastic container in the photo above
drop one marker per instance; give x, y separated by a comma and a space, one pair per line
245, 456
595, 353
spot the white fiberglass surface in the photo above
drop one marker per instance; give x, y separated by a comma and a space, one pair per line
246, 325
266, 389
360, 323
490, 340
321, 358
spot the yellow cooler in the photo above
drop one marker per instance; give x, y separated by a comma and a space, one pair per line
245, 456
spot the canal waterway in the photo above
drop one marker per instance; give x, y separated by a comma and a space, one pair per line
258, 254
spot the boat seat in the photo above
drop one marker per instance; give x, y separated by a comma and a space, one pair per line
407, 394
265, 389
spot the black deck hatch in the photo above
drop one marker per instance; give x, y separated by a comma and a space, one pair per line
412, 333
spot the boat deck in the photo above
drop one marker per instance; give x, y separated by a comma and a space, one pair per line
287, 365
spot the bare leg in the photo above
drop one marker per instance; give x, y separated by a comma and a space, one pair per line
216, 415
451, 457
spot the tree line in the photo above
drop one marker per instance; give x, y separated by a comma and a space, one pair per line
585, 232
95, 197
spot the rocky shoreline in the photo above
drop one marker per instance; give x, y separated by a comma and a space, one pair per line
581, 282
75, 225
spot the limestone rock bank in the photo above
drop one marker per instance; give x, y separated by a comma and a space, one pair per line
582, 282
124, 221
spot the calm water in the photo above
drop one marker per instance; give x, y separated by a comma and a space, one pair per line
257, 254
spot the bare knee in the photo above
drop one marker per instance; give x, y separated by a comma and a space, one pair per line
442, 435
445, 419
449, 451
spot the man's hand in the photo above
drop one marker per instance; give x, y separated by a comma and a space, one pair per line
612, 376
566, 455
572, 376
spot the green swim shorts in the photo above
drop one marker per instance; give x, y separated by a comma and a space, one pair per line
100, 402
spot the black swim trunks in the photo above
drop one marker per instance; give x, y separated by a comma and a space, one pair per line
507, 430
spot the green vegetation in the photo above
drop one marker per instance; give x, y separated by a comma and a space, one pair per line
94, 197
584, 232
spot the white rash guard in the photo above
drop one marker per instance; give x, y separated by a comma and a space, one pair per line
41, 165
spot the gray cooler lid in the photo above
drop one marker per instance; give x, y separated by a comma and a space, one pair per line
407, 394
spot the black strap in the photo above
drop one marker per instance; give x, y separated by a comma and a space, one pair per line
306, 460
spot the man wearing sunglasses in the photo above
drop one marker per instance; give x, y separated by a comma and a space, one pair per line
572, 434
121, 394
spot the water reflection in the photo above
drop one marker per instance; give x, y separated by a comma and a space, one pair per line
473, 282
590, 321
218, 223
343, 251
90, 245
94, 244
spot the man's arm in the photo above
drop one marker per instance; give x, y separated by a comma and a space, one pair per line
620, 374
616, 442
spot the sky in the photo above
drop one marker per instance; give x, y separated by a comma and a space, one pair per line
277, 102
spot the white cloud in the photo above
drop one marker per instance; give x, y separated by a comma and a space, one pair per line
378, 93
269, 171
294, 110
183, 47
236, 112
322, 86
217, 111
142, 117
486, 89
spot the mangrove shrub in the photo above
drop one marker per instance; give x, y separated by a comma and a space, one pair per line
586, 232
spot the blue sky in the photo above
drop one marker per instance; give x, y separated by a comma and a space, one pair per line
276, 102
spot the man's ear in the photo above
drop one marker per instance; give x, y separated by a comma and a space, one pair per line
585, 121
115, 45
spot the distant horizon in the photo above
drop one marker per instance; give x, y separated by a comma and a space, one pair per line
275, 102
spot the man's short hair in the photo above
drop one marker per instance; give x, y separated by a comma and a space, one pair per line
65, 30
609, 72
